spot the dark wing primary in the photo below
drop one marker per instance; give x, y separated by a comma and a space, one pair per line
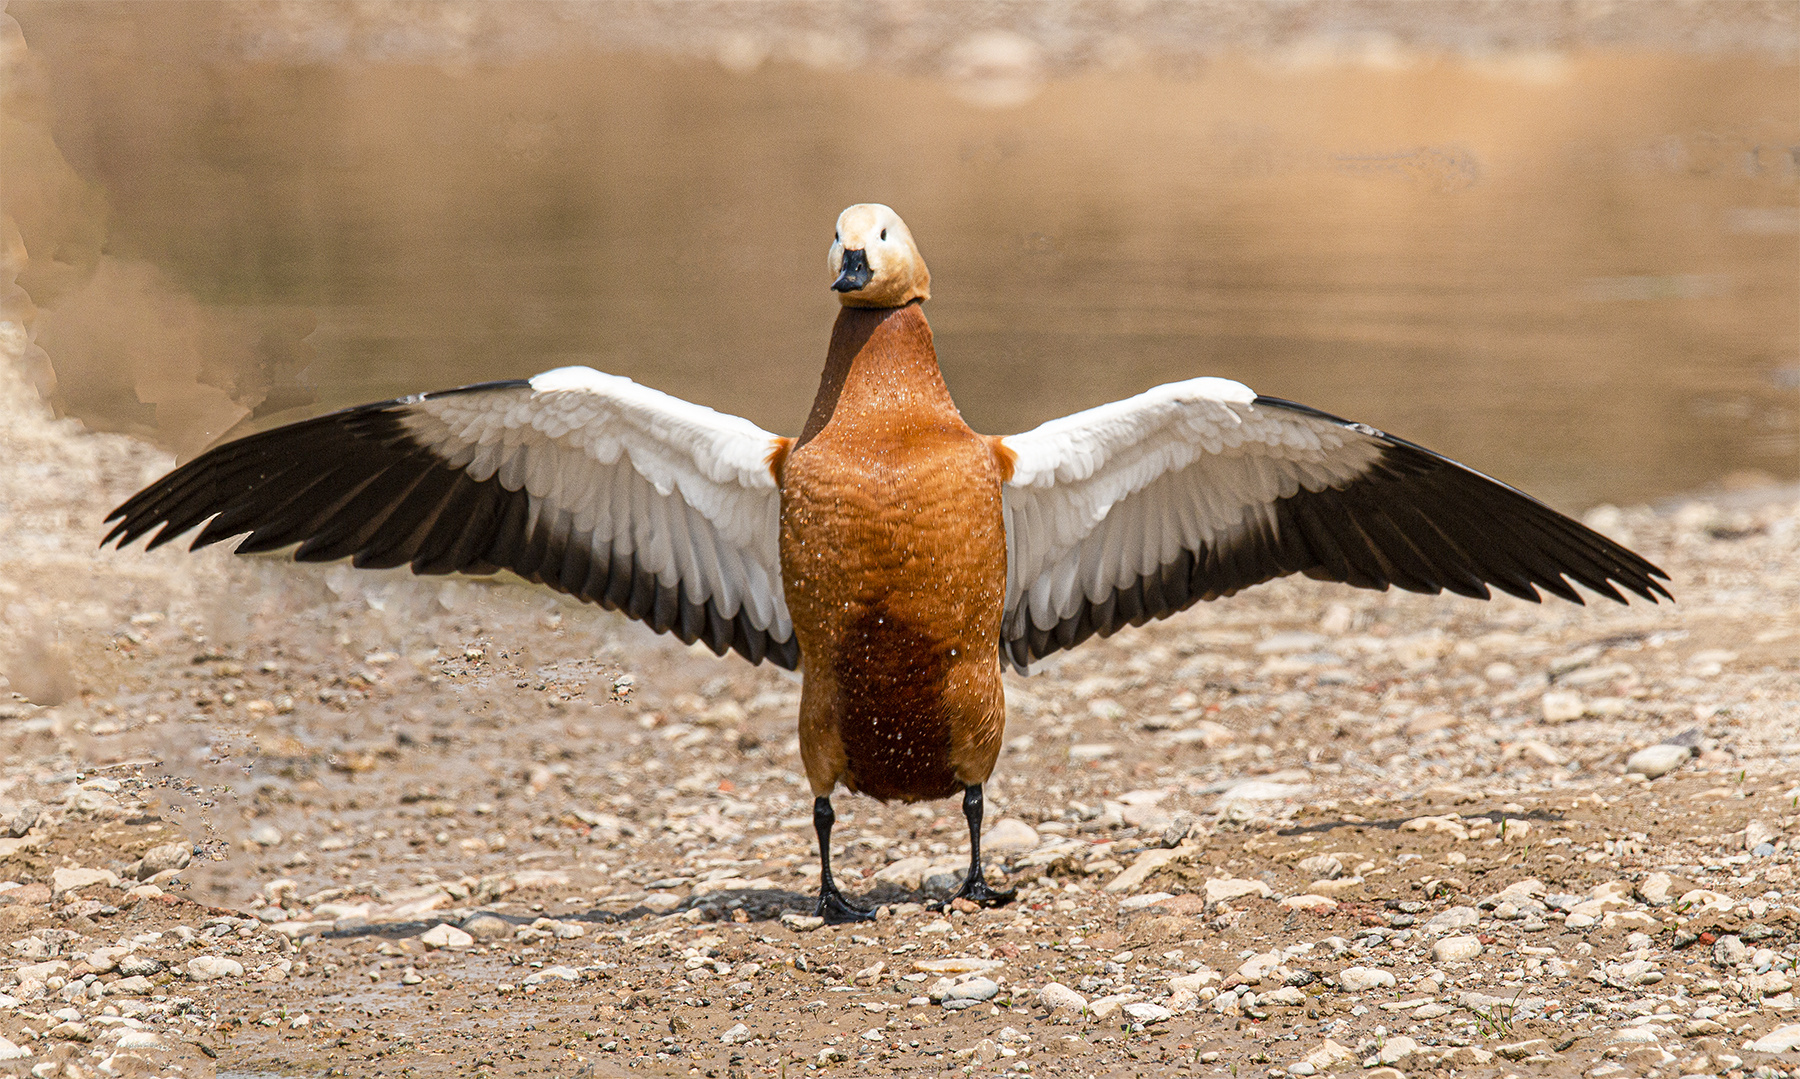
586, 482
1197, 489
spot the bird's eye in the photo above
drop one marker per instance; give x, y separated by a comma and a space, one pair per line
837, 238
884, 234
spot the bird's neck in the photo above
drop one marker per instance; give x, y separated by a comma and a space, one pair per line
881, 366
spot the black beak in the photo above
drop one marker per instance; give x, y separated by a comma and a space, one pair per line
855, 274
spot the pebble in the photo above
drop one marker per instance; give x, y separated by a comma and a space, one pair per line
1322, 866
558, 973
69, 880
736, 1035
976, 989
266, 835
10, 1051
443, 935
1082, 752
1057, 995
138, 1039
410, 976
802, 923
1145, 899
1219, 888
1147, 863
958, 965
1147, 1013
1361, 979
1317, 903
488, 927
1659, 760
1453, 919
169, 856
139, 965
1329, 1054
1009, 836
1455, 950
1779, 1040
135, 986
1562, 705
206, 968
1396, 1049
906, 873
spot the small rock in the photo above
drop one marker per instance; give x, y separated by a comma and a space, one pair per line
1318, 904
1146, 899
1057, 995
1521, 1050
905, 873
1083, 752
169, 856
444, 935
1657, 889
1147, 863
657, 903
1330, 1054
1147, 1013
488, 927
139, 966
68, 880
1455, 918
976, 989
802, 923
1396, 1049
1220, 888
411, 976
1779, 1040
1757, 834
206, 968
266, 835
9, 1051
135, 986
1655, 761
557, 973
1322, 866
1101, 1007
1009, 836
1455, 950
1362, 979
1562, 705
72, 1031
736, 1035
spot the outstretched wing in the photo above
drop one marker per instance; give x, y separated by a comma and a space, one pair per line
584, 481
1194, 490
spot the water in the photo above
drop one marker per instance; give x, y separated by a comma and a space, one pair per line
1576, 270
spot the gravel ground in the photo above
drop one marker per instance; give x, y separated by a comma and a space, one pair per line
262, 818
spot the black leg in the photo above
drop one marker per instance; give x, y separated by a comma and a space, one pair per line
832, 906
975, 887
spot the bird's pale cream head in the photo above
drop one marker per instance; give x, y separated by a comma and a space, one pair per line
874, 260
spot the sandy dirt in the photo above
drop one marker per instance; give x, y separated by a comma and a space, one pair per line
261, 818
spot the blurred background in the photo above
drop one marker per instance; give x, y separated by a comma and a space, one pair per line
1558, 241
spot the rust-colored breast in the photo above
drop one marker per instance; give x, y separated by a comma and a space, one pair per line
894, 560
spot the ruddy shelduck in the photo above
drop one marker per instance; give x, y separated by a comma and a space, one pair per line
894, 556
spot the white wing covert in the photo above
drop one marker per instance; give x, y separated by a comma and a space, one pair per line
1194, 490
587, 482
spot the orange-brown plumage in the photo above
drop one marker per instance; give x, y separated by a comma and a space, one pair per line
893, 558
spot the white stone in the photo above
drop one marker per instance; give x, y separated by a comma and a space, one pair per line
1361, 979
1455, 950
906, 873
1147, 899
1219, 888
973, 989
68, 880
1102, 1007
1779, 1040
1322, 866
1009, 836
1147, 1013
266, 835
1396, 1049
738, 1033
958, 965
558, 973
445, 936
1562, 705
9, 1051
1455, 918
206, 968
1057, 995
1146, 863
1081, 753
138, 1039
1319, 904
1330, 1054
1659, 760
